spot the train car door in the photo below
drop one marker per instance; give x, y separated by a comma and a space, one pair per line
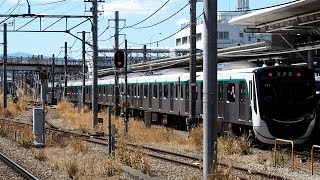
243, 102
231, 108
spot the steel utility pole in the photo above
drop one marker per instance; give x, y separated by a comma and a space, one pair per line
116, 77
94, 64
209, 87
52, 80
193, 63
5, 56
65, 68
83, 67
126, 90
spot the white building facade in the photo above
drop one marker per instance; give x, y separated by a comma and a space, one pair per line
227, 35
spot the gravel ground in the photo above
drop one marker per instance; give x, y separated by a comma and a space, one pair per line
26, 159
160, 168
7, 173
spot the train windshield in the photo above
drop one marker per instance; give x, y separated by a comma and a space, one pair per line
286, 98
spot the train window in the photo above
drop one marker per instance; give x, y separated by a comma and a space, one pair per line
134, 90
201, 89
140, 90
177, 90
150, 90
250, 89
155, 91
220, 91
165, 91
160, 90
254, 99
181, 91
242, 89
231, 92
187, 90
121, 88
145, 89
171, 90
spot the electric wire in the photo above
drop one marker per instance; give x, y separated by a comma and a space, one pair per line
2, 3
165, 37
148, 16
163, 20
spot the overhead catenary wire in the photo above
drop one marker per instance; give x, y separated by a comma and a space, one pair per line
164, 19
165, 37
148, 16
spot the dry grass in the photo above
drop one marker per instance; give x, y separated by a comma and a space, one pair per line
40, 154
13, 110
230, 145
136, 159
111, 166
224, 174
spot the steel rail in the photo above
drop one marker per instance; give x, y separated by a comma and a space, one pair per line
16, 167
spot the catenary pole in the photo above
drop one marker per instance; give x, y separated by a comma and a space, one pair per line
83, 68
209, 87
5, 56
65, 68
94, 63
116, 76
192, 85
126, 89
52, 79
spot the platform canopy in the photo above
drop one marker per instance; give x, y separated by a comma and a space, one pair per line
294, 16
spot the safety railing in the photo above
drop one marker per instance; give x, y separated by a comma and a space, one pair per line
312, 160
275, 151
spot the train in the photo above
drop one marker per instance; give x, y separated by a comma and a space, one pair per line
262, 102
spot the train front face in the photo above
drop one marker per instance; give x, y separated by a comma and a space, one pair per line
286, 100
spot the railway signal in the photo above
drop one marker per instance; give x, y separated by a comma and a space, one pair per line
119, 59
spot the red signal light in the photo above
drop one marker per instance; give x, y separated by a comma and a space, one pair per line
270, 74
298, 74
119, 59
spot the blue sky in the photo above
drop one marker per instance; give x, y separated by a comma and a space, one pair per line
133, 11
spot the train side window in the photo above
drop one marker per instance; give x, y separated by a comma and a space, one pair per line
155, 91
242, 95
145, 89
150, 90
140, 90
160, 90
231, 93
165, 91
128, 90
181, 91
201, 90
187, 90
250, 89
134, 90
171, 90
254, 99
220, 91
177, 90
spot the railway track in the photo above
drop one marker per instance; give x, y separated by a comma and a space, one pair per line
17, 168
178, 158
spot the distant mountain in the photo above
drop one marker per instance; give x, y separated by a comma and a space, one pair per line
19, 54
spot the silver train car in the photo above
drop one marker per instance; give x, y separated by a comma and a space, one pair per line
264, 102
